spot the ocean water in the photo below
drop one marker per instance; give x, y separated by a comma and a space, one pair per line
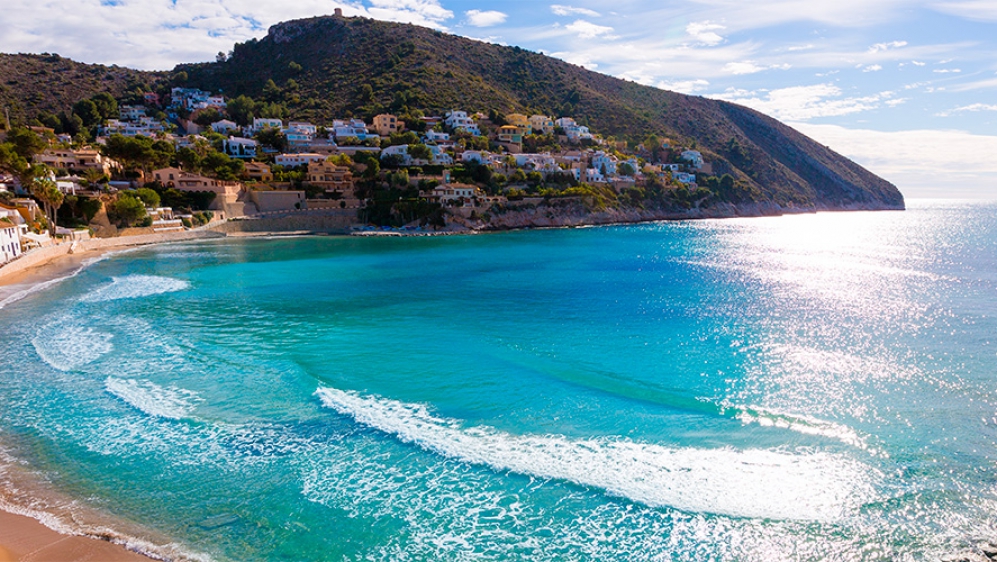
814, 387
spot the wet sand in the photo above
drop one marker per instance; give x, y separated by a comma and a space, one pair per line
23, 539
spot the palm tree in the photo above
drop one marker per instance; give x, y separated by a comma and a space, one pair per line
44, 188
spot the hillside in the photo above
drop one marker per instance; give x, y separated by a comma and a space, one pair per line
32, 84
334, 67
322, 65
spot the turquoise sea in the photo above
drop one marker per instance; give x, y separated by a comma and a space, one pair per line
813, 387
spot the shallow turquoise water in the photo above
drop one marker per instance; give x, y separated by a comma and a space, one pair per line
797, 388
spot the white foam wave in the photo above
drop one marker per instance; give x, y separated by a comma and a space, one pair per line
67, 347
135, 286
154, 400
804, 424
749, 483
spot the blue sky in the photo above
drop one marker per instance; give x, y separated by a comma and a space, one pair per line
906, 88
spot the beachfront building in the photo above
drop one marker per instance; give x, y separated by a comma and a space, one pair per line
186, 181
459, 121
10, 236
386, 123
331, 178
450, 193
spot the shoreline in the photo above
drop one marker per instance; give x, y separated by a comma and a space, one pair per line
25, 539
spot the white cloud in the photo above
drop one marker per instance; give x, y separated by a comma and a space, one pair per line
750, 67
488, 18
685, 86
885, 46
562, 10
922, 163
947, 70
872, 68
588, 30
705, 32
428, 13
918, 63
800, 103
982, 10
973, 107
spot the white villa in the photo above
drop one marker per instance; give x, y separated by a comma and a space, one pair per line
459, 121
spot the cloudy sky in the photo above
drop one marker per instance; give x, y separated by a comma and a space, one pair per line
908, 88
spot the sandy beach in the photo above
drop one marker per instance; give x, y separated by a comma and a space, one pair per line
24, 539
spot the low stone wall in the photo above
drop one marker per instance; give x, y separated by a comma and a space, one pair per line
331, 221
34, 257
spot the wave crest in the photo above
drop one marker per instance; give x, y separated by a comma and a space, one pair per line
154, 400
135, 286
749, 483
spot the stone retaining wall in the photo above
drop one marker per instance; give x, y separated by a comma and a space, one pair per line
331, 221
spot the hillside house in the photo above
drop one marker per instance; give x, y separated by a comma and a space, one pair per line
224, 126
238, 147
459, 121
385, 124
303, 159
258, 171
541, 124
694, 158
605, 163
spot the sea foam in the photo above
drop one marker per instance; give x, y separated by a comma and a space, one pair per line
135, 286
749, 483
66, 346
154, 400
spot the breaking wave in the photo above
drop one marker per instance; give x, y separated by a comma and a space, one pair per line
749, 483
154, 400
135, 286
